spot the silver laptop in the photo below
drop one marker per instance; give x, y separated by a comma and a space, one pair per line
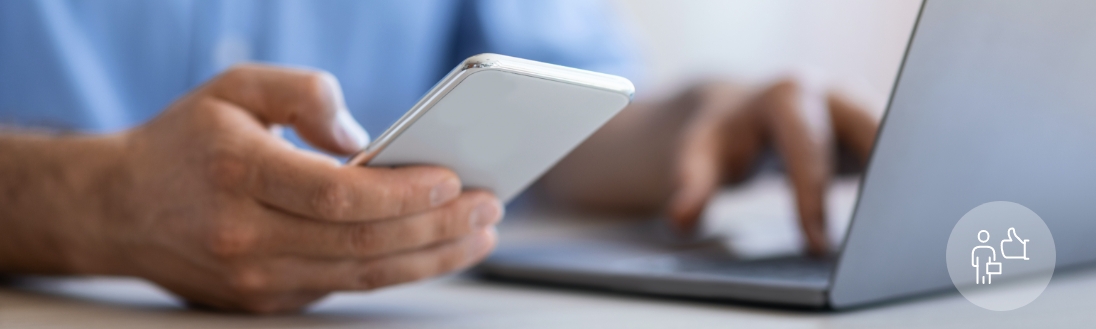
995, 100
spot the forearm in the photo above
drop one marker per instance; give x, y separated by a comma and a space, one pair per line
50, 192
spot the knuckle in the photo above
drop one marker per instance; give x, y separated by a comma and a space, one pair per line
392, 199
241, 80
227, 168
332, 200
316, 87
779, 96
406, 198
212, 115
205, 104
230, 241
233, 74
215, 113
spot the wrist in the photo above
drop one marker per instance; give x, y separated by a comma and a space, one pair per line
97, 182
57, 194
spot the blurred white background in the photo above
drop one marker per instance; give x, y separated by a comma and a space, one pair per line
856, 45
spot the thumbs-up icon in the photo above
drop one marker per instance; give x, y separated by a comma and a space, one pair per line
1011, 240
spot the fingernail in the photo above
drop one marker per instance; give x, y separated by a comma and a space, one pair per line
485, 214
444, 191
350, 134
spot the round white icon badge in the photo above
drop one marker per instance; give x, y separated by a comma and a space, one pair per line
1001, 256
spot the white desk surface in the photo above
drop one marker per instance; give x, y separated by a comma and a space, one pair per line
464, 302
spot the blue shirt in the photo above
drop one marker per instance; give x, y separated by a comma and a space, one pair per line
104, 66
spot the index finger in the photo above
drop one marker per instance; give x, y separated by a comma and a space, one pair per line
314, 186
799, 123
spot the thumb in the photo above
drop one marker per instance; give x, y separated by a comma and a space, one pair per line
311, 101
348, 131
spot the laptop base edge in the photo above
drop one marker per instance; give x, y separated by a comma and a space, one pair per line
676, 285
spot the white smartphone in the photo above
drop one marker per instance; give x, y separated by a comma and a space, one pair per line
500, 122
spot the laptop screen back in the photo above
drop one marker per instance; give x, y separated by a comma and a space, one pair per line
996, 101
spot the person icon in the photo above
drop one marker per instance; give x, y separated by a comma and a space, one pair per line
984, 254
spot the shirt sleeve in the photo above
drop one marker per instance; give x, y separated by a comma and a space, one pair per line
586, 34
